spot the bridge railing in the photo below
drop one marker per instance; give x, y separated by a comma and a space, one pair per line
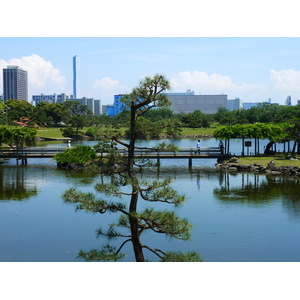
27, 151
181, 151
43, 151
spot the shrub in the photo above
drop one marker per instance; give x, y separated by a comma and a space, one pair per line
78, 155
68, 132
90, 132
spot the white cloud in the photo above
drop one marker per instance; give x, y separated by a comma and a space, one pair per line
105, 89
201, 82
286, 80
43, 77
106, 83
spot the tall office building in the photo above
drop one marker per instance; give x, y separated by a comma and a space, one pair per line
288, 101
75, 76
15, 83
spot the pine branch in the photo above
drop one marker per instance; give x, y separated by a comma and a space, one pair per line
107, 253
155, 251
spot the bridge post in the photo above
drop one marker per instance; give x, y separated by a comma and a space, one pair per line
190, 162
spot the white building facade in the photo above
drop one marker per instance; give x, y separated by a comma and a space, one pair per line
188, 102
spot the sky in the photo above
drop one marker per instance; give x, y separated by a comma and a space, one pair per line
250, 68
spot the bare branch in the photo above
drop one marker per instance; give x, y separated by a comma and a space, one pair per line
122, 245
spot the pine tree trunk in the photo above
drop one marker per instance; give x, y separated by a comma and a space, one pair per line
135, 237
137, 247
294, 147
268, 148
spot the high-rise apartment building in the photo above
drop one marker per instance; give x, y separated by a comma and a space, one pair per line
15, 83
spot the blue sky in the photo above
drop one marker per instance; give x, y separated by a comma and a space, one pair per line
251, 68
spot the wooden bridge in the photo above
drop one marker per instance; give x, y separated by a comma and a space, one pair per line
182, 153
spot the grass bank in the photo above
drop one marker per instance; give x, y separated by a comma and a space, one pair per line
280, 160
51, 132
55, 132
198, 131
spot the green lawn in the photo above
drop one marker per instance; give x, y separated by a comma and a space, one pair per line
56, 132
198, 131
50, 132
264, 160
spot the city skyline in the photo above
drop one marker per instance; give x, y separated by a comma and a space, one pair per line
252, 69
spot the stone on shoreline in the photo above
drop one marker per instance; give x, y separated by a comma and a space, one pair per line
233, 165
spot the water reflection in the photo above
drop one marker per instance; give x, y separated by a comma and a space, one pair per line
253, 189
14, 184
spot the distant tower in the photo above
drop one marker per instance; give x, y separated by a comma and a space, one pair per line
75, 76
288, 100
15, 83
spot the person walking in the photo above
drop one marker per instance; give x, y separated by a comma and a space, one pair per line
198, 147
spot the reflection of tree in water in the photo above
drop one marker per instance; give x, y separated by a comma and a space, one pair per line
14, 185
259, 190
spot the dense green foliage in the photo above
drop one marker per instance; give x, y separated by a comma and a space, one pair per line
79, 155
76, 116
264, 113
196, 119
281, 132
17, 136
48, 114
274, 132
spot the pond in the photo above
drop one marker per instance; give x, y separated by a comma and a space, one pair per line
236, 217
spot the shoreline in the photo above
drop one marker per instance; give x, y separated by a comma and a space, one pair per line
233, 165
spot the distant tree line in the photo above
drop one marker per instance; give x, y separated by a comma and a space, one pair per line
263, 113
75, 116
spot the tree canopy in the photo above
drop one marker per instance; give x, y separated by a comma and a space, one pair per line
17, 136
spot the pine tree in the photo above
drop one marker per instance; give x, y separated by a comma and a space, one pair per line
132, 223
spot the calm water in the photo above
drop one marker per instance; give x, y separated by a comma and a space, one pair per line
236, 217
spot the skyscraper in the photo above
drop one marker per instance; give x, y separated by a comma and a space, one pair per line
75, 76
288, 100
15, 83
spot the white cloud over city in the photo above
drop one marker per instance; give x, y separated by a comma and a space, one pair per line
105, 89
43, 77
201, 82
285, 80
